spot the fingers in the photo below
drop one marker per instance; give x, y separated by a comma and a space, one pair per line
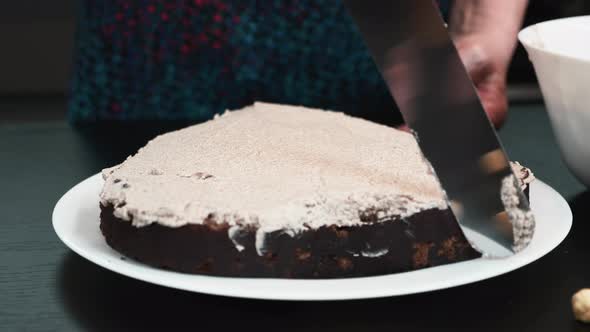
490, 80
493, 97
403, 127
474, 60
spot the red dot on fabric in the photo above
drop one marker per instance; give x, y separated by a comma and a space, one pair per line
116, 107
164, 16
221, 5
217, 18
216, 45
184, 49
199, 2
119, 16
151, 8
108, 29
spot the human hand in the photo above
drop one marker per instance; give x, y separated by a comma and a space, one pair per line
484, 33
488, 67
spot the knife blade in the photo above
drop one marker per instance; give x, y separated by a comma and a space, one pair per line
418, 61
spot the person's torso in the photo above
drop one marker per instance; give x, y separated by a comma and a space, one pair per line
188, 60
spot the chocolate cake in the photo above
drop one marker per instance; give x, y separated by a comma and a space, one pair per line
282, 191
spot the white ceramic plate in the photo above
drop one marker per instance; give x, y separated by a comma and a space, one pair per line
76, 222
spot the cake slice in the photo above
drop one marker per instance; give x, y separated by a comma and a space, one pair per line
282, 191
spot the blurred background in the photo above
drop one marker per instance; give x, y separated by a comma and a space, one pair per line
37, 39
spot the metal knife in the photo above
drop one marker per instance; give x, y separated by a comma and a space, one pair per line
417, 59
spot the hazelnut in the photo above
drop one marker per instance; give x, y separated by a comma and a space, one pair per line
581, 305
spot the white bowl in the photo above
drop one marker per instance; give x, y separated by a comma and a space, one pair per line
560, 53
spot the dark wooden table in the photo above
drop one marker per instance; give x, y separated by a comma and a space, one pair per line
46, 287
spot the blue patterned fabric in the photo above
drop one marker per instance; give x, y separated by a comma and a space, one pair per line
187, 60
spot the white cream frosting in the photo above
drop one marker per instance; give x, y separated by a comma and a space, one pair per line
274, 167
523, 220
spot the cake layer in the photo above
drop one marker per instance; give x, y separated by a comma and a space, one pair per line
429, 238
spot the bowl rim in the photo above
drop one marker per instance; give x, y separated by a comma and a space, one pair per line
556, 53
